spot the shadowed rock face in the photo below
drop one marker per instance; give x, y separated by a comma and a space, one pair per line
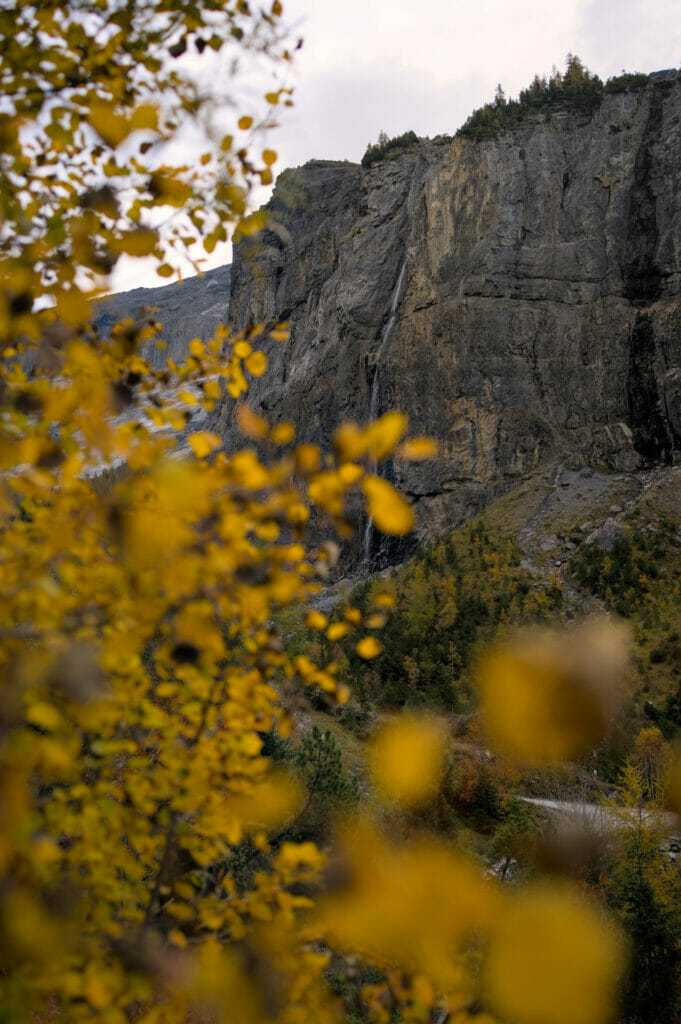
538, 313
192, 308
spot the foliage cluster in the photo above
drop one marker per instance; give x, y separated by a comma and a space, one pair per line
643, 887
144, 873
632, 575
628, 80
668, 715
138, 662
575, 89
452, 597
639, 580
387, 148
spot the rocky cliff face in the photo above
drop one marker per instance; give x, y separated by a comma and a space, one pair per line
519, 298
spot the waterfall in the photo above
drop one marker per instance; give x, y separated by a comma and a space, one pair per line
394, 303
375, 386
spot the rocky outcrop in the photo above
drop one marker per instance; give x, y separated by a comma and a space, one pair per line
519, 298
191, 308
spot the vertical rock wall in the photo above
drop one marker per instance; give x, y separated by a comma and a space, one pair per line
518, 298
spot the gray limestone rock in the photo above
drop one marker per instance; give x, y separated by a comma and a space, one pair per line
519, 299
606, 536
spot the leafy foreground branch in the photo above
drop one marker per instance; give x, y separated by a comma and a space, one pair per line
140, 669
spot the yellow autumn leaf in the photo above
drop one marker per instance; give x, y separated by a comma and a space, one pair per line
203, 443
350, 442
248, 471
139, 242
177, 938
280, 334
315, 620
337, 630
416, 905
283, 433
417, 449
368, 647
44, 715
168, 188
549, 695
390, 512
384, 434
249, 423
350, 473
144, 118
308, 458
552, 959
265, 803
73, 307
212, 389
256, 363
408, 759
242, 349
109, 125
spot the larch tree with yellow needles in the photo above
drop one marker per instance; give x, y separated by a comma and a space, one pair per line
139, 664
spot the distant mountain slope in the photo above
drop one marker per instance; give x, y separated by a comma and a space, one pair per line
191, 308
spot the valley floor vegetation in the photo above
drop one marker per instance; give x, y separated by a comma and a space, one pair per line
183, 835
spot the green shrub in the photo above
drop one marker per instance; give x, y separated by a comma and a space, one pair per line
626, 81
389, 148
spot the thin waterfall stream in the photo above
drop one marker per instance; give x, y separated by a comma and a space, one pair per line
374, 403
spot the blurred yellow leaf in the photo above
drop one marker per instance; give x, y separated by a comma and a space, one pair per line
315, 620
308, 457
550, 694
249, 423
204, 442
390, 512
44, 715
408, 759
368, 647
256, 363
139, 242
73, 307
109, 125
417, 449
417, 905
552, 959
337, 630
385, 433
283, 433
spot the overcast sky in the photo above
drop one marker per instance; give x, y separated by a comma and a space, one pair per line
392, 65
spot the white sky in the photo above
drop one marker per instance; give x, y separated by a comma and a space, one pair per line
392, 65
